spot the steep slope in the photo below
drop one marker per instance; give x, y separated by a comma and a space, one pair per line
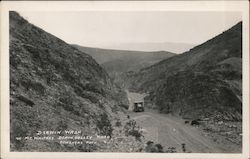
203, 82
55, 87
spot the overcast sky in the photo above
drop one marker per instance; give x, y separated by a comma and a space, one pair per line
105, 28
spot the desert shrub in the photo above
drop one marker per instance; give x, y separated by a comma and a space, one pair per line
87, 147
90, 97
84, 94
67, 107
34, 85
104, 125
183, 146
66, 101
114, 109
159, 147
70, 108
231, 75
136, 133
50, 77
126, 106
38, 87
18, 130
66, 98
171, 150
62, 125
24, 122
94, 87
118, 123
67, 75
14, 60
151, 147
132, 129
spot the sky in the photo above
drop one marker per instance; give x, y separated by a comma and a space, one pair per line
106, 28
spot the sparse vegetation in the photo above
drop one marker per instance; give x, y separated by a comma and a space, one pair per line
199, 83
171, 150
53, 86
131, 128
152, 147
118, 123
62, 125
104, 125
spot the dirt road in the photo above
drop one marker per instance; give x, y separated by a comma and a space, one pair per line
171, 131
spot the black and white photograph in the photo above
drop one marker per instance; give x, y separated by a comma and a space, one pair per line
127, 81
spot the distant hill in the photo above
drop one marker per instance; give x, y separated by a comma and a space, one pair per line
153, 46
134, 61
203, 82
56, 87
117, 62
108, 56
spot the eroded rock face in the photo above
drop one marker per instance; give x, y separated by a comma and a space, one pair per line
54, 86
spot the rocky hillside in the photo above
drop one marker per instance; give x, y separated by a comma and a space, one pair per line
56, 87
203, 82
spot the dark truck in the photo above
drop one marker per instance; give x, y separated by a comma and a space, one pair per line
138, 107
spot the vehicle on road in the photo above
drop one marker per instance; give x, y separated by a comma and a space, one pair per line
138, 106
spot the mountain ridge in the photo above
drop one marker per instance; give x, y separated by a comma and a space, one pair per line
176, 47
118, 62
113, 54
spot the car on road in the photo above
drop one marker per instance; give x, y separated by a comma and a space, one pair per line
138, 107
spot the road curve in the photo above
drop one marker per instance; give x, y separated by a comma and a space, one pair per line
171, 131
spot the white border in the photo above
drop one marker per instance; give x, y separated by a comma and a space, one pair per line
242, 6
